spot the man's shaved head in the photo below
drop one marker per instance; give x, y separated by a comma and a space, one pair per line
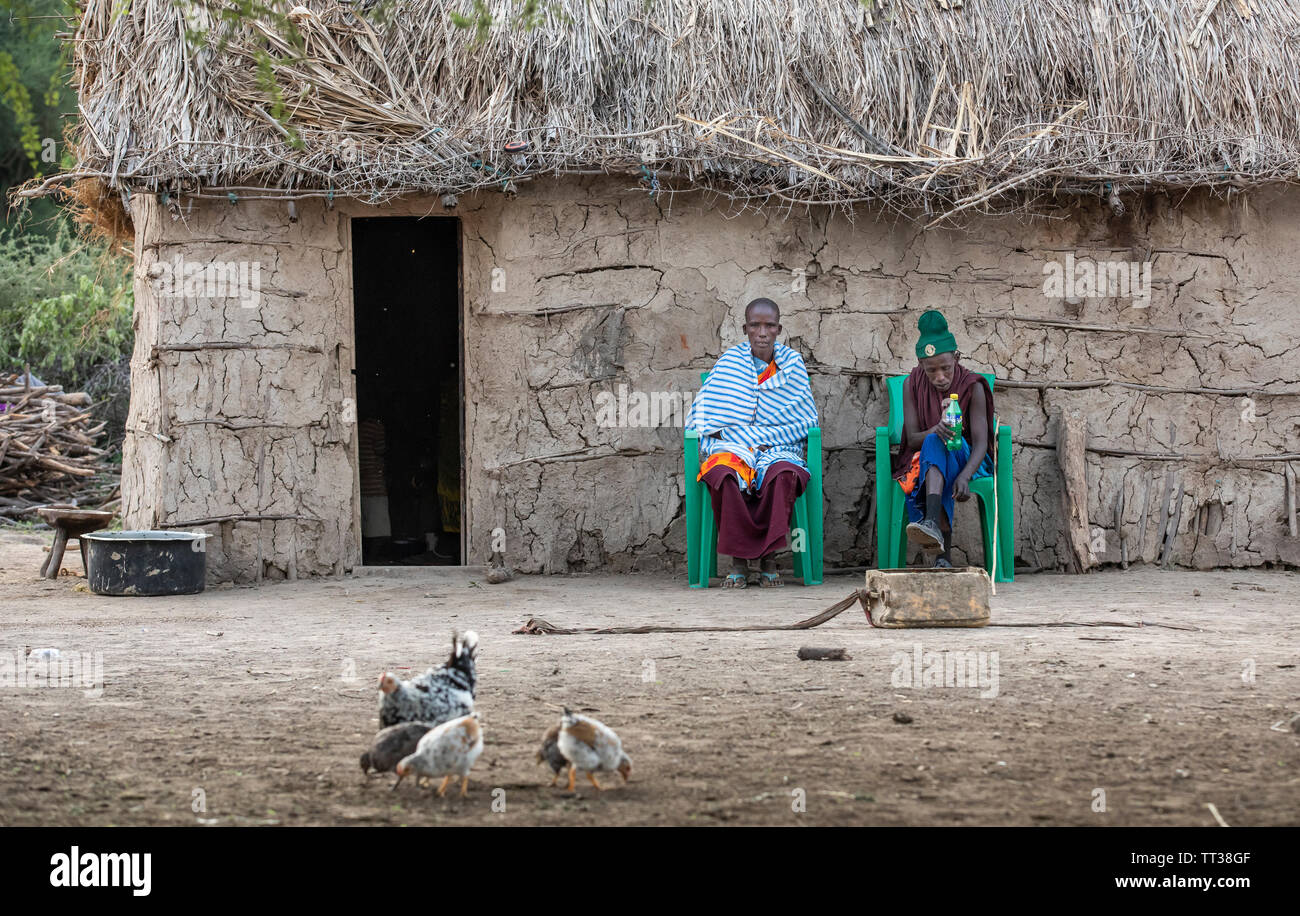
768, 303
762, 325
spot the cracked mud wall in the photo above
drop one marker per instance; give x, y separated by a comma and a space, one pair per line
237, 423
604, 287
584, 288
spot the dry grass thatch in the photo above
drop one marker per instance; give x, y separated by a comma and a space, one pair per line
916, 103
100, 213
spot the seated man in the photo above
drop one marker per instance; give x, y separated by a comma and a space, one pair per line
929, 472
753, 415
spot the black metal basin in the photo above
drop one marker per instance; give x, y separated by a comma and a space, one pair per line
146, 562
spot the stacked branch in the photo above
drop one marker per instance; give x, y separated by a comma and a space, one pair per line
47, 449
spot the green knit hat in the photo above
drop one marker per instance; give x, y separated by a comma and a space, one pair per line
935, 336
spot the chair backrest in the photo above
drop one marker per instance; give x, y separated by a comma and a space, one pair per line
895, 383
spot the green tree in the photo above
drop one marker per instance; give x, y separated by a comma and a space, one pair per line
65, 305
35, 96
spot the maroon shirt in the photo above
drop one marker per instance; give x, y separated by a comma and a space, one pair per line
929, 405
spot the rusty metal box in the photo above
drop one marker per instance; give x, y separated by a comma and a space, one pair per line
897, 598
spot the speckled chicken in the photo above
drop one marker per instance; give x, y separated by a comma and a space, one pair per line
391, 745
549, 753
592, 747
438, 695
448, 750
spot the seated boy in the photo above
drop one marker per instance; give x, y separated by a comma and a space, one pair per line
931, 474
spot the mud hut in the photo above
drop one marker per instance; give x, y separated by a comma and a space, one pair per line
539, 231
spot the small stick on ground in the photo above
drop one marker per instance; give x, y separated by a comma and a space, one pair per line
808, 653
1215, 812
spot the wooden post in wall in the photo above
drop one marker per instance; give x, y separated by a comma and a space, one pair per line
1071, 444
1293, 528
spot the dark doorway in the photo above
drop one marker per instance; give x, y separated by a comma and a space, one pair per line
406, 311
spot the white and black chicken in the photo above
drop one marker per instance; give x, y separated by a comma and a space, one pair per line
591, 746
438, 695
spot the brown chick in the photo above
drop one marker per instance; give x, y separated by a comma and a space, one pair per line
549, 753
592, 746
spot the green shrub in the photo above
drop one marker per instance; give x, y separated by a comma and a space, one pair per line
65, 306
68, 335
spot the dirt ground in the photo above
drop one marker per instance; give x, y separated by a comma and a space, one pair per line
252, 705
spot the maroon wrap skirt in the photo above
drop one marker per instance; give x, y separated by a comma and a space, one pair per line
752, 526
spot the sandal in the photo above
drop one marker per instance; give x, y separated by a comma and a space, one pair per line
735, 580
770, 580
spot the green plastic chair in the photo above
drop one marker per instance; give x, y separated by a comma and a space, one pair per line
702, 532
891, 516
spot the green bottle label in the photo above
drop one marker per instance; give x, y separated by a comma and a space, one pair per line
952, 413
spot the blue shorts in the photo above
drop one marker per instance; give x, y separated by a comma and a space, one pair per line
934, 453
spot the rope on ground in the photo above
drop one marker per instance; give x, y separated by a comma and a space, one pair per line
538, 626
1136, 625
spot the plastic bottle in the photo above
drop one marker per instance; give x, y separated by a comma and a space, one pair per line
952, 418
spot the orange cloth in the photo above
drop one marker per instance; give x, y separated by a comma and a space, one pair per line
726, 459
768, 372
908, 480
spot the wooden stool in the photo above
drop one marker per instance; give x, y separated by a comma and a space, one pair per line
70, 523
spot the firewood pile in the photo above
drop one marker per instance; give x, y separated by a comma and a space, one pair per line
47, 449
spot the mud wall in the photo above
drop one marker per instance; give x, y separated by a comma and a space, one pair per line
580, 295
238, 423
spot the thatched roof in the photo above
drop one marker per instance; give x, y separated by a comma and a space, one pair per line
787, 101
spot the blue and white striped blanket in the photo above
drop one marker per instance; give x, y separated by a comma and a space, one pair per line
733, 413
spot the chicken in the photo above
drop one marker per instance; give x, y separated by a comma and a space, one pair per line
391, 745
438, 695
448, 750
496, 570
550, 752
591, 746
